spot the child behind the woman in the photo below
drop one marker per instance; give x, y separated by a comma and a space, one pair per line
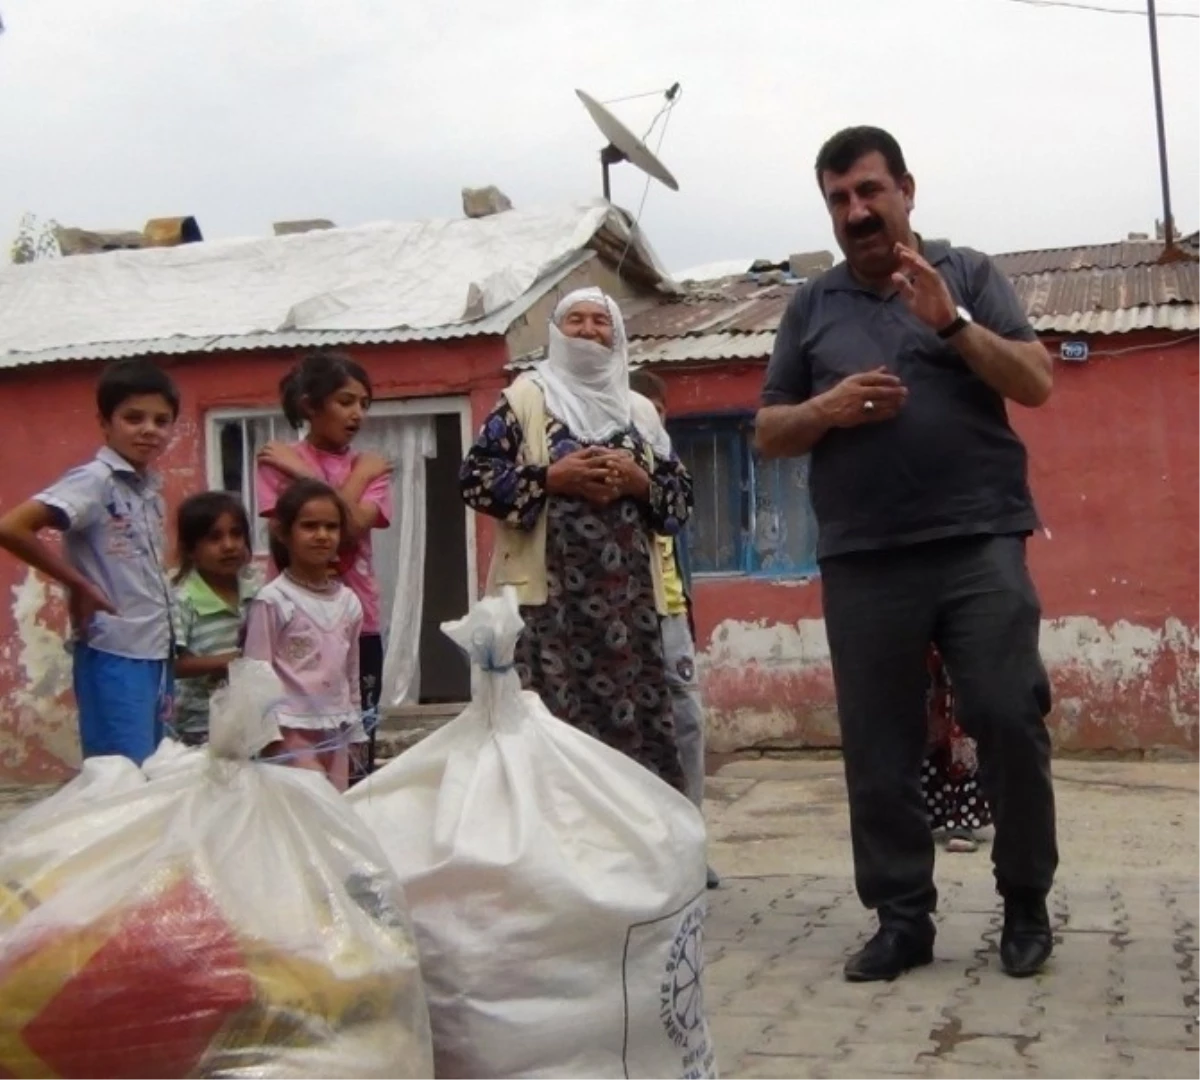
306, 624
212, 594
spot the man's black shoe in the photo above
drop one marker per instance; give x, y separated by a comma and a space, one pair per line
891, 952
714, 881
1026, 941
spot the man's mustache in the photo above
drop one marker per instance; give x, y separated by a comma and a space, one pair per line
864, 228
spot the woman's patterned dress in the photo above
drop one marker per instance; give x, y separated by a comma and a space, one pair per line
593, 651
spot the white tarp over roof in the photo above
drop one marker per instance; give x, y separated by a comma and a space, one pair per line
714, 271
389, 276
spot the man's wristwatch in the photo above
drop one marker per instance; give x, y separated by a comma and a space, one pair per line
961, 320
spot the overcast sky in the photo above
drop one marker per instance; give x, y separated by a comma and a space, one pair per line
1025, 127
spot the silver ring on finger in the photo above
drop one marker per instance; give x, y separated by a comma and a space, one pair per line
868, 405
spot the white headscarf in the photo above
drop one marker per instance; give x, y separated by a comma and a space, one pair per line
586, 384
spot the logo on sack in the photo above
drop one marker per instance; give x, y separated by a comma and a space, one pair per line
681, 1001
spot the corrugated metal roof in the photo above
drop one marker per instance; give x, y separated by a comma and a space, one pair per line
1177, 317
743, 307
687, 348
1068, 292
1121, 255
702, 348
1102, 289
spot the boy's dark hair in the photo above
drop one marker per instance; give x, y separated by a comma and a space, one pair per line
196, 516
316, 378
840, 152
287, 510
124, 379
648, 385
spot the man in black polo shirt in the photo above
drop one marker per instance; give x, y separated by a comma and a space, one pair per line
892, 369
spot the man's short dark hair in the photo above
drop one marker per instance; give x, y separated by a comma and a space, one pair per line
839, 153
648, 385
124, 379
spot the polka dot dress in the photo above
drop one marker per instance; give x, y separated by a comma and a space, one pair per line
952, 802
950, 773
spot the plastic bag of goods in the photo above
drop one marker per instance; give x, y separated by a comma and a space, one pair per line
557, 887
205, 915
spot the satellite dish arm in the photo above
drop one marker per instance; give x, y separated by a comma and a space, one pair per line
610, 155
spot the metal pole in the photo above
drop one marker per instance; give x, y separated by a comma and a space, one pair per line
1168, 225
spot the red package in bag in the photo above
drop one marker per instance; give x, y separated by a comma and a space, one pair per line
147, 1003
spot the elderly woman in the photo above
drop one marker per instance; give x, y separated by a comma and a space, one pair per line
580, 473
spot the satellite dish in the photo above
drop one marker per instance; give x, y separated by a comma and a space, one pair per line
624, 145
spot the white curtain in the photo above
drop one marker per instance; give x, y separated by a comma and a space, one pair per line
257, 432
399, 550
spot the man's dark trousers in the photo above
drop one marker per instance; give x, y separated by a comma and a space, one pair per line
975, 600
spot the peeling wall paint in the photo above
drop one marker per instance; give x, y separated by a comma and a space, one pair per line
40, 734
1116, 687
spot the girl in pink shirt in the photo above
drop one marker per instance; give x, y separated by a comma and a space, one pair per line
331, 394
306, 624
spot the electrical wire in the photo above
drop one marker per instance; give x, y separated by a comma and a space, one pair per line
633, 97
665, 111
1149, 347
1076, 6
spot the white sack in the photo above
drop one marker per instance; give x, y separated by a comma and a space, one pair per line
205, 916
557, 887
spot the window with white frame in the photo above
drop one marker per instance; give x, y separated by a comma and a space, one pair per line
235, 437
751, 516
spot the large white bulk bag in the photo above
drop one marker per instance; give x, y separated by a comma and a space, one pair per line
557, 886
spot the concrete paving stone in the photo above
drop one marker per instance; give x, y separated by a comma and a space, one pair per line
1077, 1063
874, 1057
856, 1071
1093, 913
836, 993
889, 1023
1149, 954
732, 970
1156, 1064
990, 1051
818, 1029
1165, 1032
846, 917
734, 1035
725, 933
818, 944
800, 969
770, 1001
1001, 1007
725, 790
775, 1067
813, 905
1144, 992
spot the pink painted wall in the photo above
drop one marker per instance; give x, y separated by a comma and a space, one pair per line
48, 415
1113, 461
1113, 466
